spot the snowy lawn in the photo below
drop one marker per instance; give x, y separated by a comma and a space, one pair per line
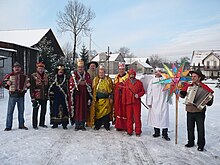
57, 146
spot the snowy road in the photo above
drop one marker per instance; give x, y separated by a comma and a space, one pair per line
48, 146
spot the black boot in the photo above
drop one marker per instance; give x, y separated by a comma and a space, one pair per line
54, 126
156, 132
200, 148
165, 134
188, 145
64, 126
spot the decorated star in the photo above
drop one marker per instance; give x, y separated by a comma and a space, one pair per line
174, 79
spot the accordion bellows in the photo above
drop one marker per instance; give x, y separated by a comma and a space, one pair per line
198, 97
18, 82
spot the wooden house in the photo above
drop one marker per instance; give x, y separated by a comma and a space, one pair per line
22, 46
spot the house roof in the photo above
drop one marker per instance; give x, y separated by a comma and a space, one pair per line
8, 50
132, 60
216, 54
141, 61
2, 57
199, 55
112, 57
144, 64
96, 58
25, 38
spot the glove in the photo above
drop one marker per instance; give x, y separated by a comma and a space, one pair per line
35, 103
89, 102
136, 96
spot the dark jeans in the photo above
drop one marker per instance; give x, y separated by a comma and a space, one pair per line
43, 105
199, 119
11, 106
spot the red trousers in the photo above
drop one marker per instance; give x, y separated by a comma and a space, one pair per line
134, 116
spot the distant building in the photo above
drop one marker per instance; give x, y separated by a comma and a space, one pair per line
208, 61
21, 46
111, 62
139, 64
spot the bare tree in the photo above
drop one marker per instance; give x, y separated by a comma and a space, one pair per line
68, 51
126, 53
75, 19
186, 61
156, 61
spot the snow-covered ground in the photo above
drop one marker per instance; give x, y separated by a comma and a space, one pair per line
48, 146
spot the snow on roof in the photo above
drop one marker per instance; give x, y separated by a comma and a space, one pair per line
145, 64
199, 55
217, 53
112, 57
141, 61
25, 38
2, 57
96, 58
9, 50
132, 60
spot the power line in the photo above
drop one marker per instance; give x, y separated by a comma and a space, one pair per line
97, 46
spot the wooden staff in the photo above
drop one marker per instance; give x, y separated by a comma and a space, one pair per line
134, 95
176, 128
140, 98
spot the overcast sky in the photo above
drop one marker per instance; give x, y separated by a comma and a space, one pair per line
169, 28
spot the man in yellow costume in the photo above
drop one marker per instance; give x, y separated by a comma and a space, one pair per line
101, 109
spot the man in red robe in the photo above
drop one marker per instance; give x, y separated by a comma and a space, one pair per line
119, 106
132, 99
80, 95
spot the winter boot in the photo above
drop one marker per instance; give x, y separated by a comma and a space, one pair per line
156, 132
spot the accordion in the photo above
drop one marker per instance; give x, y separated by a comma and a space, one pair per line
198, 97
18, 82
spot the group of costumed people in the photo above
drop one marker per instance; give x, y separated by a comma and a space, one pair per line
91, 99
85, 98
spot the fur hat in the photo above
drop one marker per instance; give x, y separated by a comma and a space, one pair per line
40, 64
16, 64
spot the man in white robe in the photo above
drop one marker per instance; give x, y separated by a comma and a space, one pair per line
157, 100
145, 79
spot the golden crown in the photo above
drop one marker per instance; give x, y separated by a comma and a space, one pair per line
60, 67
101, 67
80, 63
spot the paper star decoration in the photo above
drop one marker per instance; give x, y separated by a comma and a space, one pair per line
174, 79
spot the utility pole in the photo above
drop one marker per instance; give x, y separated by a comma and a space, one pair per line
90, 41
108, 60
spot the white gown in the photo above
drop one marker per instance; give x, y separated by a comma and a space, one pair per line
158, 115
